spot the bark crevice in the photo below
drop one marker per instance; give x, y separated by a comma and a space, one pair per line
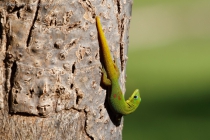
122, 28
86, 125
118, 7
33, 22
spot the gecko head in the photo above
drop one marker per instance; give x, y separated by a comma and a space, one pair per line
135, 97
134, 101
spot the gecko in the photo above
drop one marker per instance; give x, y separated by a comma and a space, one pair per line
110, 77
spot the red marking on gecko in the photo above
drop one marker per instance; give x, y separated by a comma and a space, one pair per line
119, 98
115, 95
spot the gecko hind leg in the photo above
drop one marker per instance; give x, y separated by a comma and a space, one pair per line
105, 79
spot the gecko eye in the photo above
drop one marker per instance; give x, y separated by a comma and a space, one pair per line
135, 97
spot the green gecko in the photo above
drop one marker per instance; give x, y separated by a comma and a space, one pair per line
116, 98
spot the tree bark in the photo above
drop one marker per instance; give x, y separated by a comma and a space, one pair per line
50, 68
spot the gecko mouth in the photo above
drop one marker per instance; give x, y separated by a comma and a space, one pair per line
130, 105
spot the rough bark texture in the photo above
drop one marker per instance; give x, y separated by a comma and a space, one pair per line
50, 67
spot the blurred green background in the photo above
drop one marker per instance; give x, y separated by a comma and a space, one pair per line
169, 61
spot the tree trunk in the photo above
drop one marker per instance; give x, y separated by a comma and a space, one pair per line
50, 68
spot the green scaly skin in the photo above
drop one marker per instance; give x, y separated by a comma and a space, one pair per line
116, 99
